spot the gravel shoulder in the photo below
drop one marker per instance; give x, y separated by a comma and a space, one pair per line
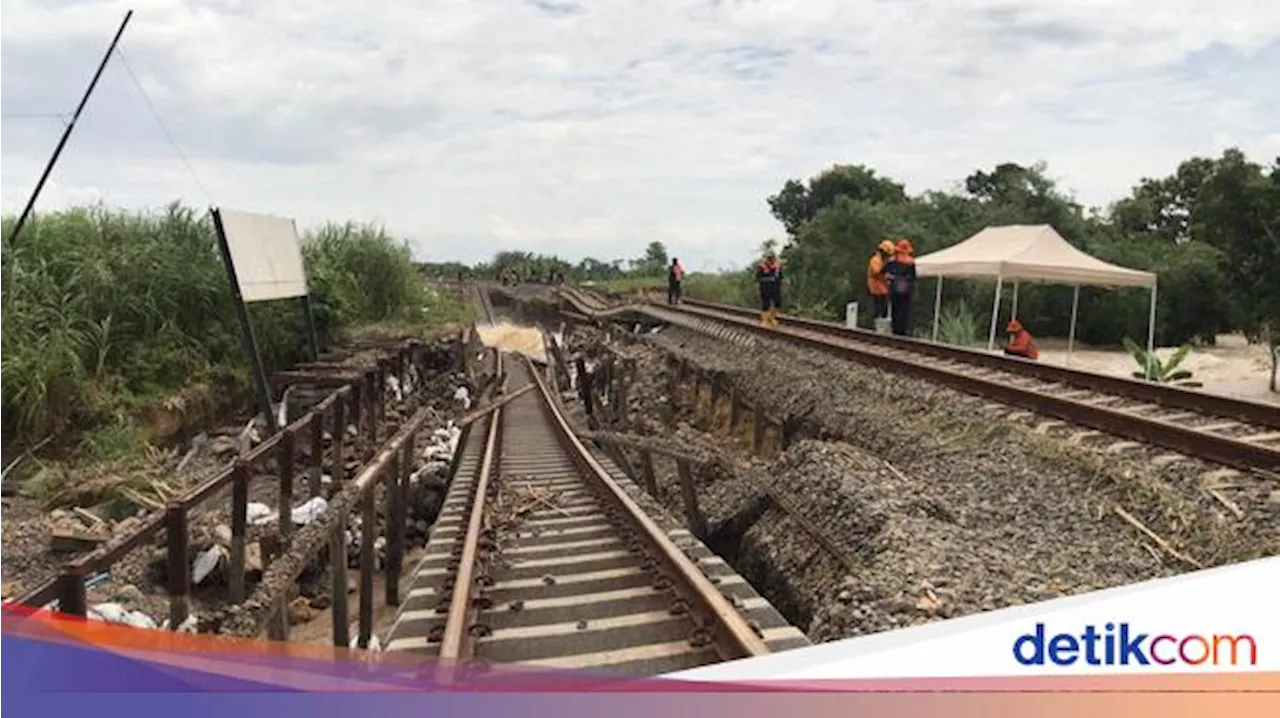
943, 509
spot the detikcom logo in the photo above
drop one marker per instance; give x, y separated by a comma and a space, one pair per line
1118, 644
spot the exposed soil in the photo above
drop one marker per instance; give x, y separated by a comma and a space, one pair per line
137, 581
943, 510
315, 625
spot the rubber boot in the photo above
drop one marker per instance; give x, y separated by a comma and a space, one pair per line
764, 318
773, 317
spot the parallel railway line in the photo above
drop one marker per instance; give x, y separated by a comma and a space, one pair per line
1243, 435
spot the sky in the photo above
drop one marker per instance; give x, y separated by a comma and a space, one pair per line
591, 128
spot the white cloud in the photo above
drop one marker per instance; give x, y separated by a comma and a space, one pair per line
591, 128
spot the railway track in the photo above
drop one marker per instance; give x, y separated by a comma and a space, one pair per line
1238, 434
543, 556
480, 299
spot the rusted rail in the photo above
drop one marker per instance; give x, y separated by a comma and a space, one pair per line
1196, 430
1174, 397
624, 597
390, 468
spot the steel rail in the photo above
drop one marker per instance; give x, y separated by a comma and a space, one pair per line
733, 637
453, 647
736, 639
1174, 397
1244, 455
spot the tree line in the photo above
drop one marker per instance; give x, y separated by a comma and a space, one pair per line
1210, 230
531, 267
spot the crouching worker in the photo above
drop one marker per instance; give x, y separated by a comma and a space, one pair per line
1020, 342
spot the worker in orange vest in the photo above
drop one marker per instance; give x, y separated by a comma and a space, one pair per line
901, 274
877, 284
1020, 342
769, 282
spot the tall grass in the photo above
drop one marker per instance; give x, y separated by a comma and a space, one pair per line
107, 311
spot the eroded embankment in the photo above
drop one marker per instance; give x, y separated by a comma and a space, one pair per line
135, 588
942, 511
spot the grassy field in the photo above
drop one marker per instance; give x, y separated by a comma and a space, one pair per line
115, 322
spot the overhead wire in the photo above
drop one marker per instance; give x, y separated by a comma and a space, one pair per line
64, 116
164, 129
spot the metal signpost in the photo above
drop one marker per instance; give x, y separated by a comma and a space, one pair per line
264, 263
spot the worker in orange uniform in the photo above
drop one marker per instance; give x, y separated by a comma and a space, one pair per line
675, 281
769, 285
877, 286
901, 274
1020, 342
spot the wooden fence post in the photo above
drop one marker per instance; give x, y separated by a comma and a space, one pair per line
317, 452
278, 620
72, 593
284, 461
239, 524
179, 569
646, 466
395, 510
338, 572
339, 469
368, 530
697, 524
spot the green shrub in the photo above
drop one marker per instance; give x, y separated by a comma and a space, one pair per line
1151, 368
106, 310
958, 325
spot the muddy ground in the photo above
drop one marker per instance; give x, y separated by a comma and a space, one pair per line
940, 510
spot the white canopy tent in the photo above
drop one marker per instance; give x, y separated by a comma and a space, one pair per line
1029, 253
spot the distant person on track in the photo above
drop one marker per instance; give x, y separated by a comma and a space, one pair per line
675, 281
877, 284
1020, 342
769, 285
901, 274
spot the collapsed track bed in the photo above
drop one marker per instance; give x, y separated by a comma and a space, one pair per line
556, 568
945, 510
1247, 494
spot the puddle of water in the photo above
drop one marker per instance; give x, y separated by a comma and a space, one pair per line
514, 338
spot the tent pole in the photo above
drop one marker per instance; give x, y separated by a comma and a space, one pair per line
1014, 313
995, 312
1151, 332
1071, 337
937, 307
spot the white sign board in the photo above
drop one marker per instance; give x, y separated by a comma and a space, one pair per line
266, 254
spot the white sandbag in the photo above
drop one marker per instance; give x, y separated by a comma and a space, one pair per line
313, 509
259, 514
206, 562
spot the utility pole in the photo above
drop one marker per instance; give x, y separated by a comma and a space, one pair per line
66, 134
